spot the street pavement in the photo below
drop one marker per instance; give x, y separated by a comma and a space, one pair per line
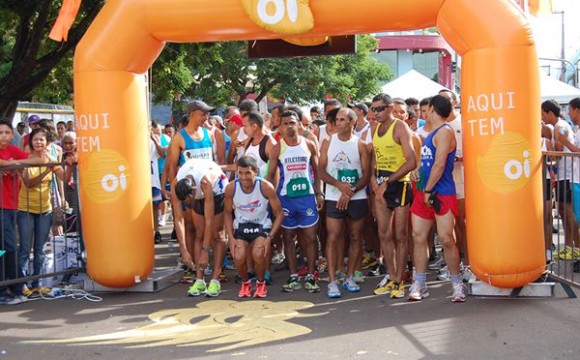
300, 325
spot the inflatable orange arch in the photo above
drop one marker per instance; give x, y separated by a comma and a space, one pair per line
500, 115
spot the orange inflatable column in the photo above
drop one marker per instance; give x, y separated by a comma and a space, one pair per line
114, 168
501, 142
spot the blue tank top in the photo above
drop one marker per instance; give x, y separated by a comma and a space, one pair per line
445, 185
193, 149
228, 142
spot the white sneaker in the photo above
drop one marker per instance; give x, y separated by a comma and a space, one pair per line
350, 285
333, 290
458, 293
384, 281
161, 221
278, 258
417, 292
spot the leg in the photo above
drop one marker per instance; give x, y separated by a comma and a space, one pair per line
445, 227
460, 228
218, 245
335, 229
259, 249
199, 225
239, 253
43, 223
307, 240
25, 231
421, 229
384, 218
400, 226
355, 229
289, 236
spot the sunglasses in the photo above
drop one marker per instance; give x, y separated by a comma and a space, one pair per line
378, 109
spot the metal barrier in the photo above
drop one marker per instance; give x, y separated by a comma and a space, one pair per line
58, 253
561, 216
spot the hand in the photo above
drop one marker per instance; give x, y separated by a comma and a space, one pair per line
72, 159
319, 201
203, 260
380, 193
345, 189
166, 193
426, 199
415, 176
342, 203
186, 259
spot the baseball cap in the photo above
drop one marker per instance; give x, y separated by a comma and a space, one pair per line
236, 119
199, 105
33, 119
218, 120
362, 106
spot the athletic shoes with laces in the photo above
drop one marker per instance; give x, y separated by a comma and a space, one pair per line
278, 258
321, 264
567, 254
310, 284
458, 293
214, 288
358, 277
437, 264
368, 261
417, 292
377, 270
261, 291
384, 289
197, 288
291, 284
350, 285
245, 289
398, 291
13, 300
333, 290
340, 276
188, 277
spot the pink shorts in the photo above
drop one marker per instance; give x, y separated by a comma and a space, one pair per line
422, 210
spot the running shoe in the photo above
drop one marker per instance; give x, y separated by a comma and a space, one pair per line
214, 288
378, 270
302, 272
310, 284
245, 289
157, 237
291, 284
359, 277
13, 300
197, 288
417, 292
368, 261
398, 291
437, 264
222, 277
444, 274
458, 293
261, 291
340, 276
188, 277
321, 264
384, 289
333, 290
278, 258
567, 254
350, 285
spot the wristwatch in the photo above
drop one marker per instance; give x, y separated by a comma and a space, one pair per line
207, 249
353, 189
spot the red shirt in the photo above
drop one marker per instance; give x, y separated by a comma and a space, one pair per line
10, 181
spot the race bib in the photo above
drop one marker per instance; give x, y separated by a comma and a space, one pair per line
250, 229
349, 176
299, 186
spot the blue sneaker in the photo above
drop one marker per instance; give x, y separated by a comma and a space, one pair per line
350, 285
333, 290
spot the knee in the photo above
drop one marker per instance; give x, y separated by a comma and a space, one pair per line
447, 240
239, 253
259, 253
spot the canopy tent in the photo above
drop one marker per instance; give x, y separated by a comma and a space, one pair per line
412, 84
551, 88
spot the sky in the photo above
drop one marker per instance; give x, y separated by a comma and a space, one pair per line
548, 29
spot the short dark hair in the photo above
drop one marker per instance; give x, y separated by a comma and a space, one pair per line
248, 161
552, 106
424, 101
331, 102
362, 107
411, 113
36, 131
248, 105
154, 124
288, 113
255, 118
411, 101
5, 121
575, 103
58, 123
315, 109
386, 99
184, 188
441, 105
331, 115
453, 95
399, 101
48, 125
297, 109
168, 126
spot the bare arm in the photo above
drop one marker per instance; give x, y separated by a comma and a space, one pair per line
274, 158
228, 210
177, 144
364, 164
220, 146
179, 224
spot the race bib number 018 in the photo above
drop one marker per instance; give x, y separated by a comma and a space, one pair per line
288, 17
298, 187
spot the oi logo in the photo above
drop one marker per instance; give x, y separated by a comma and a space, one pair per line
107, 176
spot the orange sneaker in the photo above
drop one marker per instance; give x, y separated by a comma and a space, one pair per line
246, 289
261, 291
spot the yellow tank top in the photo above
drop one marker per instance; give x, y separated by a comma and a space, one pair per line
36, 199
388, 154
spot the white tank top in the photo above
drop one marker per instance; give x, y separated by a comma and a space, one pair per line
344, 165
254, 151
360, 132
241, 137
322, 133
200, 168
252, 207
295, 170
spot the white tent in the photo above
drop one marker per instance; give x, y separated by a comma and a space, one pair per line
412, 84
551, 88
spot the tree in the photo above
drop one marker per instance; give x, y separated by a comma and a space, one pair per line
221, 73
28, 57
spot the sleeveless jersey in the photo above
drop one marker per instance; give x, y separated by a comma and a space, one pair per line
251, 209
193, 149
199, 168
242, 136
445, 185
295, 169
344, 165
360, 132
322, 133
258, 152
388, 154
